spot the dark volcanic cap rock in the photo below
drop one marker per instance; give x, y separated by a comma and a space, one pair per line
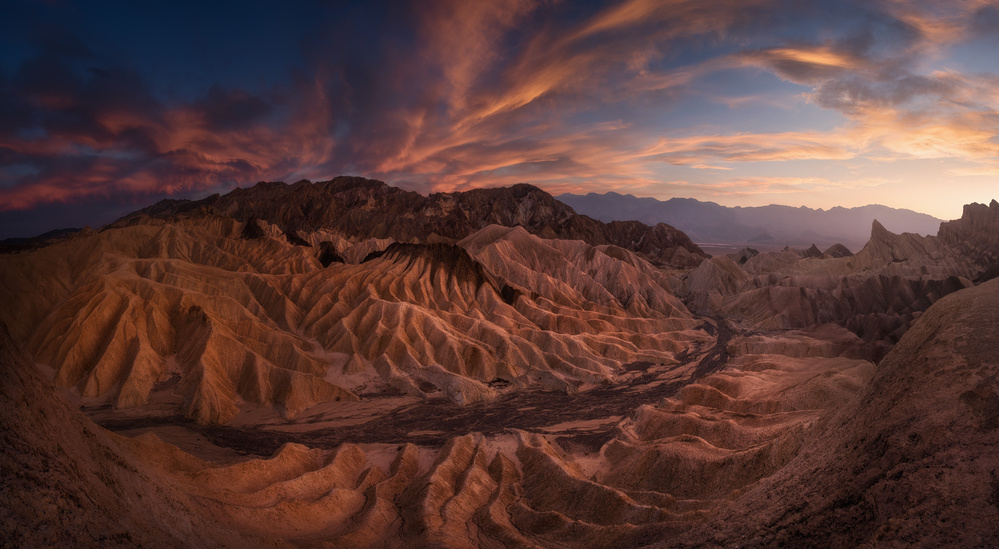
449, 258
366, 208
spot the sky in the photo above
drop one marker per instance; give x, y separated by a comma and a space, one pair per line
106, 107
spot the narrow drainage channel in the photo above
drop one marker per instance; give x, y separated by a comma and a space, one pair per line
433, 423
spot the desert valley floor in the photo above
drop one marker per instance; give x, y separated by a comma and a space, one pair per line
346, 364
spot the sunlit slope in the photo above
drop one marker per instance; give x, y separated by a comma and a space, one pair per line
238, 318
799, 439
668, 467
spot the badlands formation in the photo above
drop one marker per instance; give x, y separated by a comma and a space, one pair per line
345, 364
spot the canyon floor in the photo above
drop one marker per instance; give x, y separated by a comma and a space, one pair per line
585, 418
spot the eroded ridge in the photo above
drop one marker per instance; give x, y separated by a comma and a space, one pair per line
279, 385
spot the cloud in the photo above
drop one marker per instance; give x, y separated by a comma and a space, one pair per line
765, 147
445, 94
767, 188
805, 64
943, 22
896, 101
99, 130
511, 115
983, 170
484, 92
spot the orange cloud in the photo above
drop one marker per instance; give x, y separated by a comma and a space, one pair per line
765, 147
489, 97
805, 64
821, 56
493, 93
472, 152
461, 38
939, 23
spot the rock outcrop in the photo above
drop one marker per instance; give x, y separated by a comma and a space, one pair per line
908, 461
668, 468
837, 251
976, 234
491, 370
791, 444
355, 207
876, 293
229, 321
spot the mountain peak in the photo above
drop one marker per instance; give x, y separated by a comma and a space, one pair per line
721, 225
878, 231
357, 207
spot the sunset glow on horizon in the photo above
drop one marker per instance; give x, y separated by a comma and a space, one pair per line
106, 107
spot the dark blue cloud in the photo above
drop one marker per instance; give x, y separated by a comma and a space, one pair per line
122, 101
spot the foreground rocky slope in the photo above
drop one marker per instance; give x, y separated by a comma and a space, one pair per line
908, 461
519, 489
774, 449
497, 390
68, 482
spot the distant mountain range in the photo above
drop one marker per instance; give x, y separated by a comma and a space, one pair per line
711, 223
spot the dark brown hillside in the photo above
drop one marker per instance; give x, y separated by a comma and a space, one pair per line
366, 208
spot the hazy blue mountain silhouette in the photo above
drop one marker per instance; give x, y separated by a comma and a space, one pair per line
708, 222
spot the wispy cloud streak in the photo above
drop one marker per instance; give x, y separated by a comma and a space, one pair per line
450, 95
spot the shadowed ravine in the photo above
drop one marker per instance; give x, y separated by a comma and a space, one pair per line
433, 422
